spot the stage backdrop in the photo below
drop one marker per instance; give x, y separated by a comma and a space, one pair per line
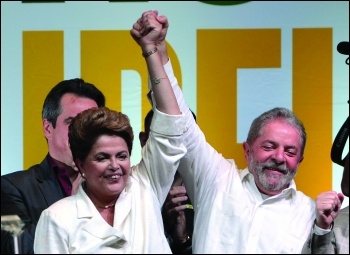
234, 60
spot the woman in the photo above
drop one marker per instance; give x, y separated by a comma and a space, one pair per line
117, 209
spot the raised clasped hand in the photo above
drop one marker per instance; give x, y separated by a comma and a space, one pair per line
150, 29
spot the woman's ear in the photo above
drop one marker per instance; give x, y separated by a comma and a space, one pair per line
79, 164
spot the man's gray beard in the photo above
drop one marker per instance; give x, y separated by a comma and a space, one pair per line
285, 179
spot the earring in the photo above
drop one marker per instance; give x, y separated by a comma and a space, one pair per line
83, 175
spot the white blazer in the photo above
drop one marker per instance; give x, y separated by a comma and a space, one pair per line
73, 224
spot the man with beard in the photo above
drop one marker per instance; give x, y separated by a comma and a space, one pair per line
257, 210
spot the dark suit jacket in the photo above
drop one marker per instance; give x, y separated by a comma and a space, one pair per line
26, 194
335, 242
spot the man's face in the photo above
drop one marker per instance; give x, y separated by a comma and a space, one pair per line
57, 137
274, 157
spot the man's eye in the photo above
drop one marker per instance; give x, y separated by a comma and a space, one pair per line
291, 153
267, 147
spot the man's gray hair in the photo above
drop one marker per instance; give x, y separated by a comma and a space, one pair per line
284, 114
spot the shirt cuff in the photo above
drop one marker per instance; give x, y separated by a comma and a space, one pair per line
320, 231
173, 125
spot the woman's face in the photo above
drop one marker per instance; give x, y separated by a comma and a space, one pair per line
106, 168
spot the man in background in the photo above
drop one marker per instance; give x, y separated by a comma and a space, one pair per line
28, 193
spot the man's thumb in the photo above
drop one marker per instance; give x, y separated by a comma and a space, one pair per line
163, 20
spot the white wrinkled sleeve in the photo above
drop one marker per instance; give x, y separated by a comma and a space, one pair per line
162, 153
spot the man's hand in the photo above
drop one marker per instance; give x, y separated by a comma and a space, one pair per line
173, 214
328, 205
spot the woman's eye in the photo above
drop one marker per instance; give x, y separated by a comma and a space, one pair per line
122, 157
100, 158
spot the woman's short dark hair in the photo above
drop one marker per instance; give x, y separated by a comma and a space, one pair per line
89, 125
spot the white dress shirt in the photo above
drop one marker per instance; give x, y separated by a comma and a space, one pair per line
230, 214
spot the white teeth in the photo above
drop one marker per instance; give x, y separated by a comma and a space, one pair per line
114, 177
